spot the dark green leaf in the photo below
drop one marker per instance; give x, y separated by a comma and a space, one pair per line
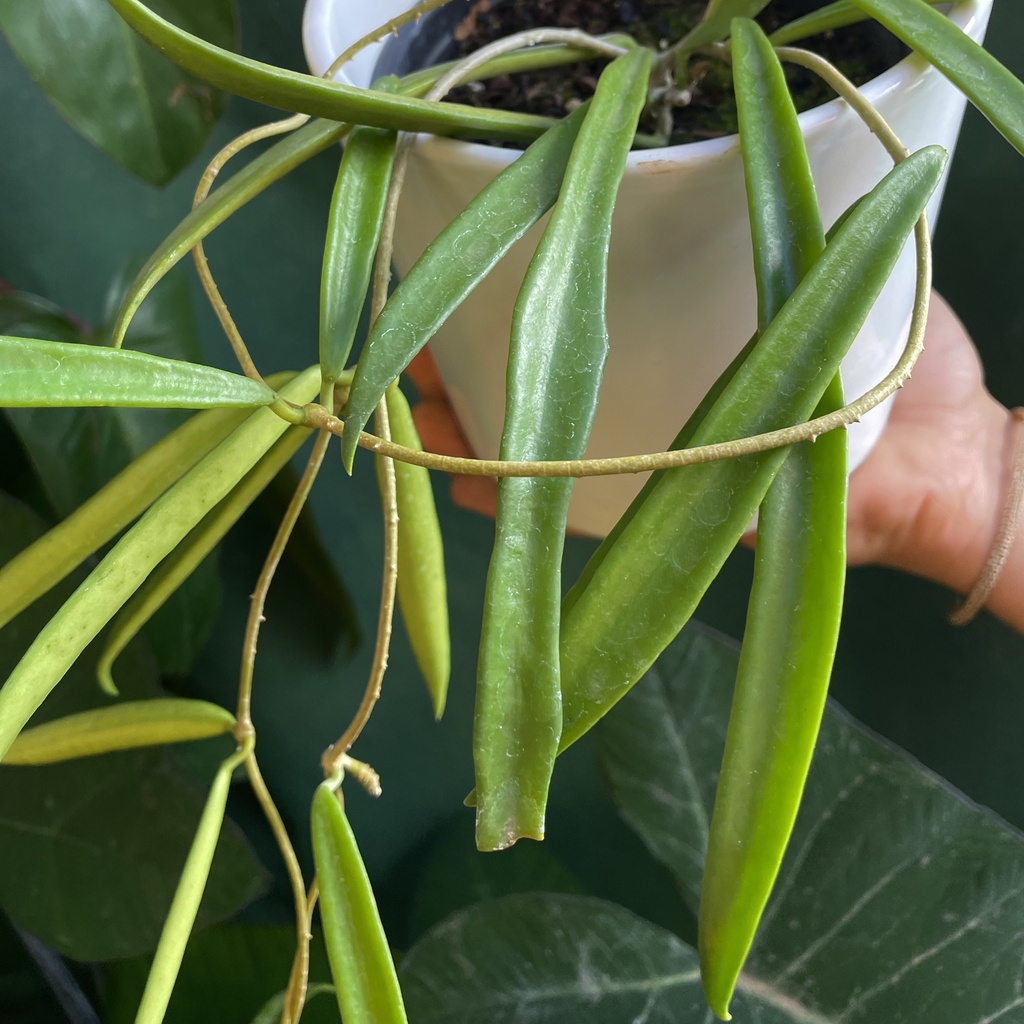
457, 875
898, 900
228, 973
90, 851
551, 959
113, 88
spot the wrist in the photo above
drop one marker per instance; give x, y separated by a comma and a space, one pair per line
961, 537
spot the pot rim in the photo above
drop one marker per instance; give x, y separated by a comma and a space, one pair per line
965, 14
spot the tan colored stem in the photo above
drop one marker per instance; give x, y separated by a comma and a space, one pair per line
292, 1008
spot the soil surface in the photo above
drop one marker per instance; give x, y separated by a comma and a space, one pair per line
861, 51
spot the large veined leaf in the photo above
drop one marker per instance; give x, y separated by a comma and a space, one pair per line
898, 899
90, 851
900, 902
114, 88
548, 958
456, 875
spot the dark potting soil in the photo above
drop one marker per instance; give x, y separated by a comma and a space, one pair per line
860, 51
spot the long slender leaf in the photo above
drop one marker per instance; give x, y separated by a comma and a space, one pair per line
558, 347
33, 571
181, 917
449, 269
292, 91
991, 87
61, 374
259, 174
780, 382
825, 19
353, 231
422, 584
122, 571
187, 556
800, 564
122, 726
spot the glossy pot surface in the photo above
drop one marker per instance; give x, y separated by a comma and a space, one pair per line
681, 300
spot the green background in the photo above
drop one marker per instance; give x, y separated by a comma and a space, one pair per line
69, 218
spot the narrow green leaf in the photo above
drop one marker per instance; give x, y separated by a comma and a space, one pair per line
123, 726
33, 571
181, 917
353, 230
651, 576
449, 269
179, 565
54, 373
122, 571
259, 174
558, 347
552, 959
991, 87
422, 585
361, 965
122, 95
716, 23
292, 91
789, 645
800, 563
825, 19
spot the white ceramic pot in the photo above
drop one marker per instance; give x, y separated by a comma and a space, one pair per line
681, 299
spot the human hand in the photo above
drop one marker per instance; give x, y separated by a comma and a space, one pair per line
929, 497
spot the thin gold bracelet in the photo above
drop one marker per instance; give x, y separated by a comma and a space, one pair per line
1007, 530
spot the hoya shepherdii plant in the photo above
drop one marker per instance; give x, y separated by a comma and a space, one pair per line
590, 608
